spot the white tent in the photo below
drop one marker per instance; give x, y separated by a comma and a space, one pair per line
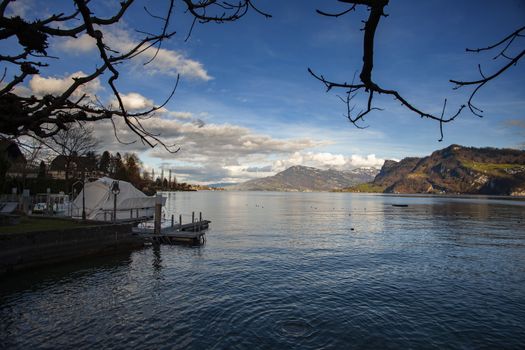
99, 201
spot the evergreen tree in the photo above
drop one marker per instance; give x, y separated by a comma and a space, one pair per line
119, 169
104, 163
133, 165
42, 169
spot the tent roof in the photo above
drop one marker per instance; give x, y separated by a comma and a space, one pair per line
98, 196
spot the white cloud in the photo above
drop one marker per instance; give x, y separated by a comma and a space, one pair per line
166, 61
224, 149
221, 141
133, 102
226, 152
82, 44
327, 161
20, 90
40, 85
180, 115
19, 8
366, 161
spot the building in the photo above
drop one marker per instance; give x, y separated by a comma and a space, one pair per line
17, 166
72, 167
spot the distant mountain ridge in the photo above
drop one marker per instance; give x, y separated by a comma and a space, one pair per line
303, 179
456, 170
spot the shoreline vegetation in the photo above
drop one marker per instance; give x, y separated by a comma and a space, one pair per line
453, 170
367, 187
66, 172
445, 195
416, 195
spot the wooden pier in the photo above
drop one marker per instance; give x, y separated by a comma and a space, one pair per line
187, 233
192, 233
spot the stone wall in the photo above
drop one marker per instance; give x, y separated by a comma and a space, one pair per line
23, 250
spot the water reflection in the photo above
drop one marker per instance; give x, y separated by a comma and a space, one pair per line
63, 273
157, 260
286, 270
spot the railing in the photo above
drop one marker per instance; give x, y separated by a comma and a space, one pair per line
118, 215
10, 197
49, 204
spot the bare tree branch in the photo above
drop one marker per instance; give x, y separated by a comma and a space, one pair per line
339, 14
47, 116
512, 61
369, 86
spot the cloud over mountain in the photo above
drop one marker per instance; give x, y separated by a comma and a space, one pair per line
222, 152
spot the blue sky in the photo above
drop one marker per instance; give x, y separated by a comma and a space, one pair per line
246, 106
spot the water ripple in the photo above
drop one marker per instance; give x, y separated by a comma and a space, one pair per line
310, 271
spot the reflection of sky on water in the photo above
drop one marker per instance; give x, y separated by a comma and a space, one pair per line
332, 221
287, 270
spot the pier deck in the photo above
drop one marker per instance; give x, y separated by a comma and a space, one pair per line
186, 233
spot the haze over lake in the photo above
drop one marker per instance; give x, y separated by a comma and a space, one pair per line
292, 270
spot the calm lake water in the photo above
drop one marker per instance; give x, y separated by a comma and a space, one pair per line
292, 271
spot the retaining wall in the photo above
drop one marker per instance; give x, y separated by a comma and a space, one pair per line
23, 250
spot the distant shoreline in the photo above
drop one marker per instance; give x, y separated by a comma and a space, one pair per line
433, 195
459, 196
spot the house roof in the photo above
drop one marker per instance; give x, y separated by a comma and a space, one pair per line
12, 151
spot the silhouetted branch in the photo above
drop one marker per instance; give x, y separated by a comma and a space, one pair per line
206, 11
221, 11
164, 31
46, 116
508, 39
370, 87
336, 14
513, 60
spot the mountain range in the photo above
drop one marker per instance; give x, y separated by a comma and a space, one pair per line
456, 170
305, 179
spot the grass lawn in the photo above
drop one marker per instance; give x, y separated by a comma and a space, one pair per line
365, 188
492, 168
32, 224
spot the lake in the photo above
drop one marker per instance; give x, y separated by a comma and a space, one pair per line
292, 271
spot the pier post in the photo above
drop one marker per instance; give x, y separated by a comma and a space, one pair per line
49, 210
115, 189
180, 219
25, 201
158, 214
172, 220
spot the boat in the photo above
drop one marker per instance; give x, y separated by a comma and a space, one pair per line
98, 200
